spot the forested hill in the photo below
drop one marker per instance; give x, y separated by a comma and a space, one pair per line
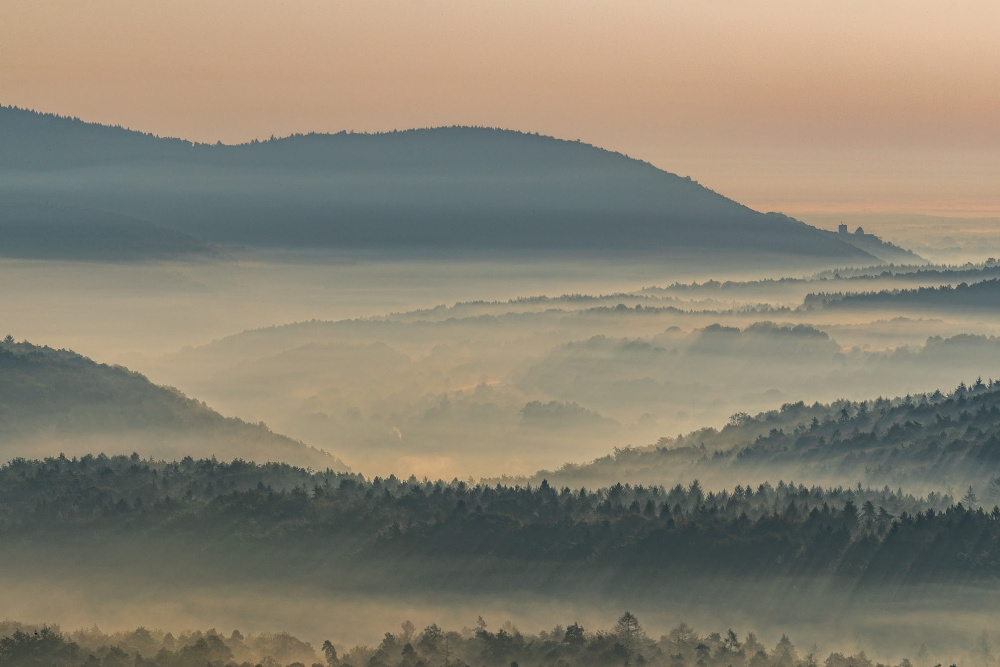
57, 400
438, 189
929, 441
242, 521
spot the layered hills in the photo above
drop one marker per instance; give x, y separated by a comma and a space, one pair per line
340, 532
442, 189
150, 528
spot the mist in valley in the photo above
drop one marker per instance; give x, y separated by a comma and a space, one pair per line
498, 371
471, 396
908, 626
522, 381
389, 378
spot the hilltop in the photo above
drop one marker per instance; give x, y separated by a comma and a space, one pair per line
441, 189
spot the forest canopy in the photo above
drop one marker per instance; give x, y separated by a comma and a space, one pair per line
235, 517
626, 642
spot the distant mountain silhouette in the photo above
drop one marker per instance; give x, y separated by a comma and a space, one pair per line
436, 189
57, 400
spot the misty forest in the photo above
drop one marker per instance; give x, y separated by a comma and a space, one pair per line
409, 398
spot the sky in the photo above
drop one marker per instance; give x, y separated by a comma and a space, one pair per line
854, 106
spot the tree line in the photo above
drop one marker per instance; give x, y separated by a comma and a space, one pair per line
572, 645
276, 511
982, 294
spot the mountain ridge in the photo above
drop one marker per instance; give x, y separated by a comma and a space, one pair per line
446, 188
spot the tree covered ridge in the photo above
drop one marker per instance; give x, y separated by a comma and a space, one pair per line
902, 272
344, 522
931, 439
625, 643
39, 380
982, 294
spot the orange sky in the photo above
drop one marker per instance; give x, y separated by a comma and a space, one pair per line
782, 104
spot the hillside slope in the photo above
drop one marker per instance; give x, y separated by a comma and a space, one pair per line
440, 189
934, 442
55, 401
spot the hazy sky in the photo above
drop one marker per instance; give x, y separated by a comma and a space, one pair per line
781, 104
